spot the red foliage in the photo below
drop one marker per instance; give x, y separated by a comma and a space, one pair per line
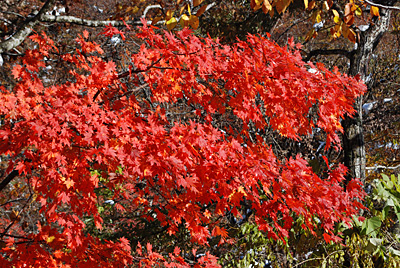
58, 135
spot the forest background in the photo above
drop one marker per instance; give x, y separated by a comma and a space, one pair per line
360, 38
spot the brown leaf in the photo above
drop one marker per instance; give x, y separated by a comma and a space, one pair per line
201, 11
282, 5
156, 19
194, 22
197, 2
352, 36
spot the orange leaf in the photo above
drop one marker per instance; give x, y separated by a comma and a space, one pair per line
266, 7
219, 231
374, 11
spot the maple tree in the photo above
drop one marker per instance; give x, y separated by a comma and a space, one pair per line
94, 131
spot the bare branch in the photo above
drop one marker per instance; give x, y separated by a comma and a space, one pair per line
85, 22
148, 8
381, 6
382, 167
8, 179
210, 6
317, 52
19, 36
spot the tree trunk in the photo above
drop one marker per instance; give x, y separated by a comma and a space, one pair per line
353, 137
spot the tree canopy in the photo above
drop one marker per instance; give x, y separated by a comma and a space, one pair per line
91, 132
202, 143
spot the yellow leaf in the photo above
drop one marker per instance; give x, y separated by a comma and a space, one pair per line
50, 239
358, 11
201, 10
336, 16
258, 2
306, 4
197, 2
266, 7
190, 12
194, 22
171, 23
374, 11
184, 21
316, 16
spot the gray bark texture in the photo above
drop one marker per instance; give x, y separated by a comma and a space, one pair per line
353, 137
26, 29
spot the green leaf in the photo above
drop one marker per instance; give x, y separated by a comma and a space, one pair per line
394, 251
356, 221
372, 225
100, 209
385, 213
390, 184
385, 177
376, 241
390, 202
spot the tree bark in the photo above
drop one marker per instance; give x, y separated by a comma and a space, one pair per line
353, 137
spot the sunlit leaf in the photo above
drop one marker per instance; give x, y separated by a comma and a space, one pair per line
266, 6
184, 21
336, 17
171, 23
374, 11
358, 11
